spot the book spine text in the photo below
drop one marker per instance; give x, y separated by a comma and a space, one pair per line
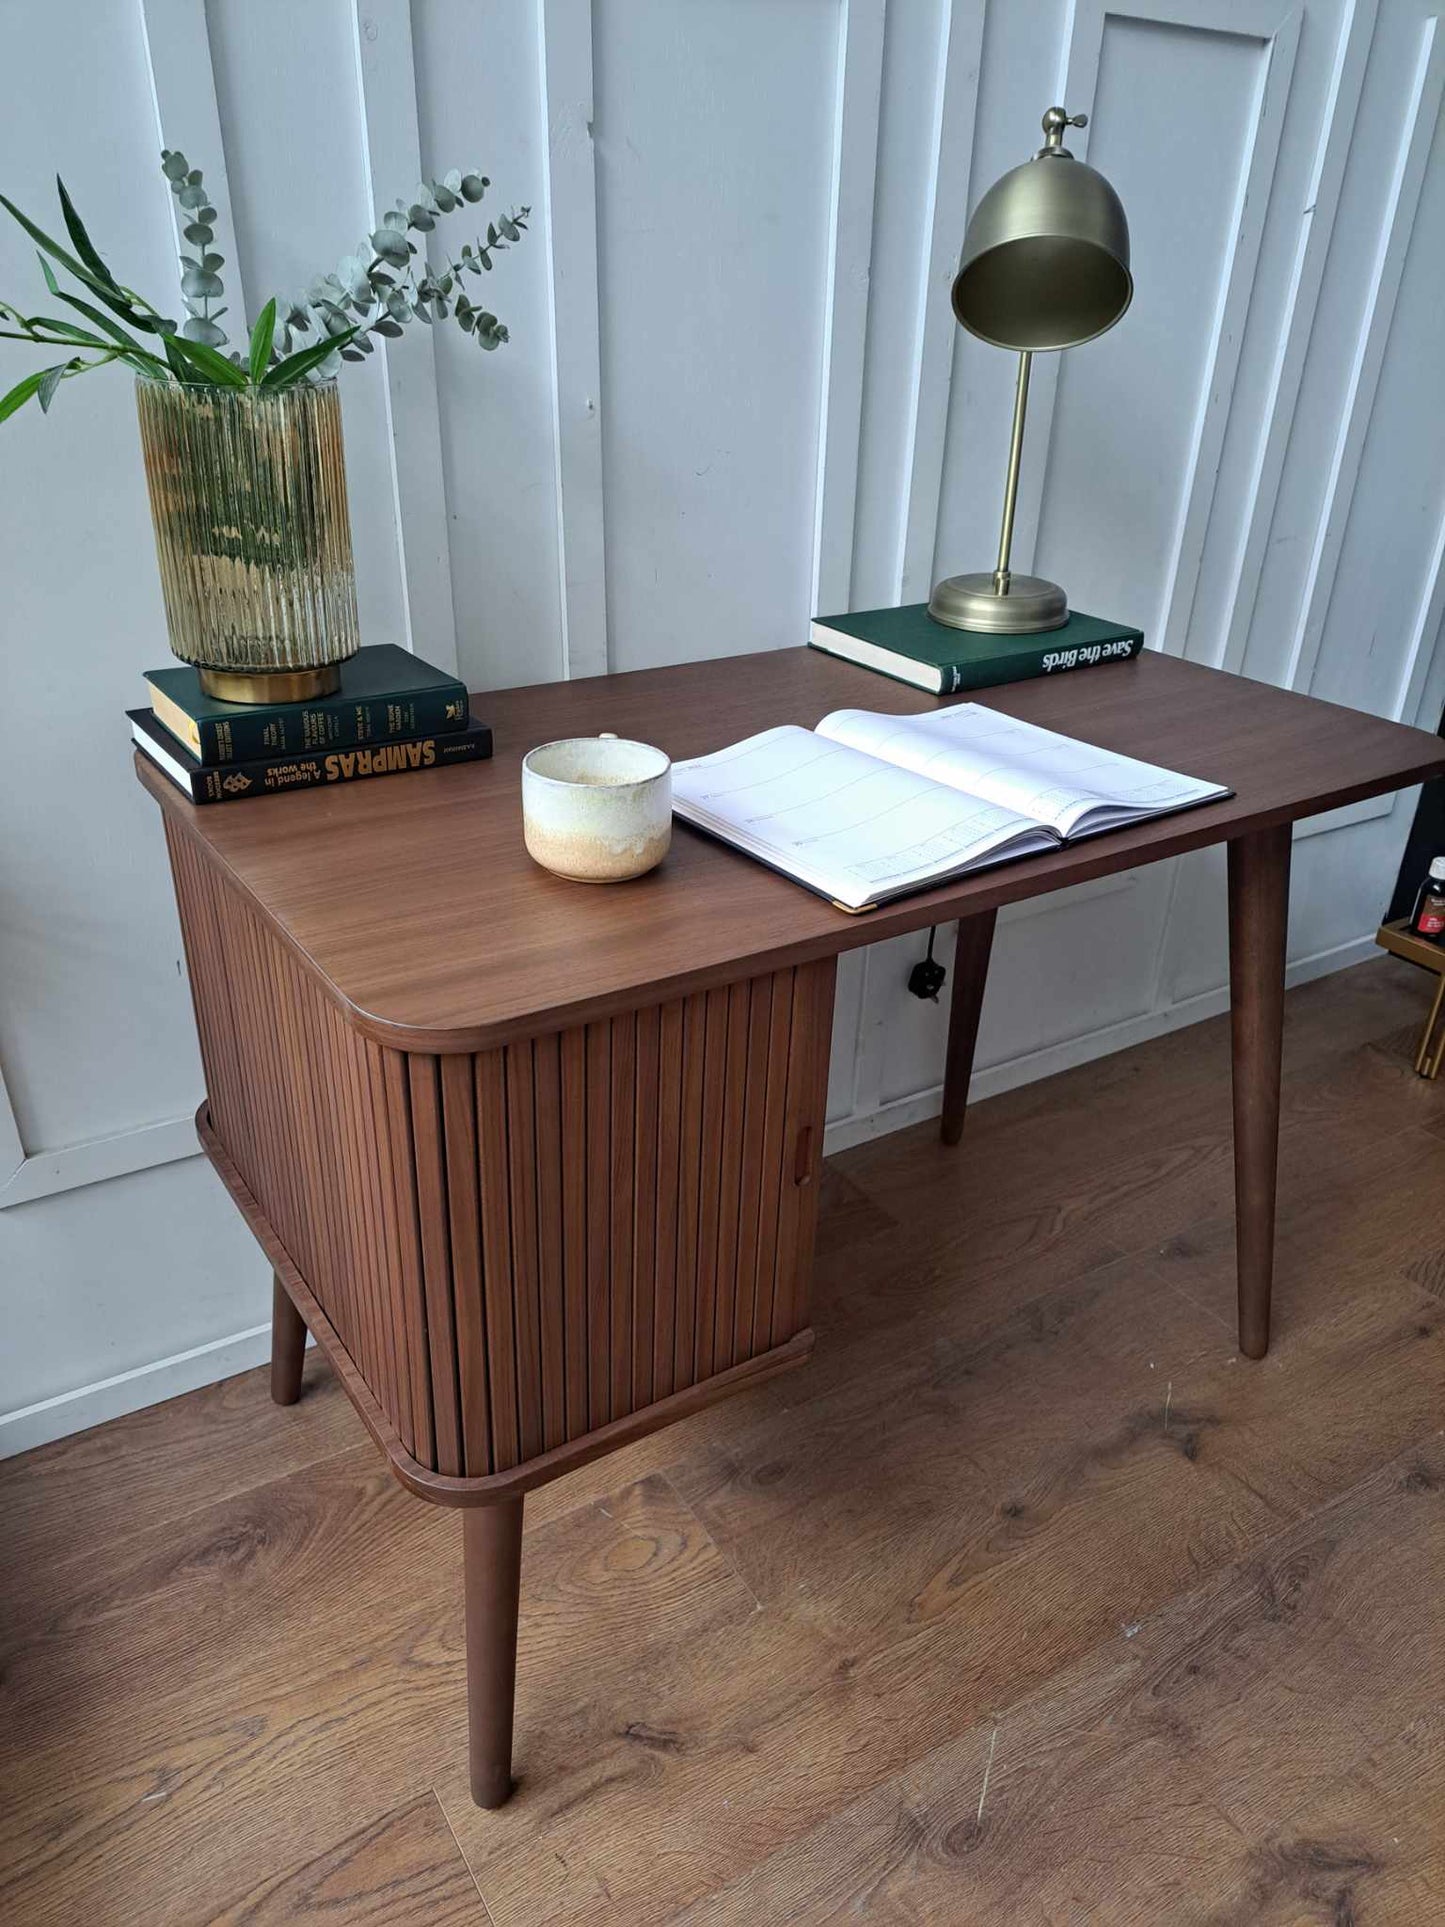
1049, 662
268, 776
306, 729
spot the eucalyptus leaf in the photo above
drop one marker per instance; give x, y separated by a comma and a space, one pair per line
199, 233
193, 195
211, 262
201, 331
446, 201
199, 285
386, 326
391, 245
474, 186
174, 165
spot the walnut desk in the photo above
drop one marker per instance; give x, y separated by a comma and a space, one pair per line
537, 1162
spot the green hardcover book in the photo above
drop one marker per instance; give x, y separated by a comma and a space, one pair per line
910, 646
386, 695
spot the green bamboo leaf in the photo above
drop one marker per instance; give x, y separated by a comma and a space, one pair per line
67, 331
179, 366
50, 380
51, 246
262, 336
20, 394
84, 246
118, 302
213, 368
296, 367
108, 327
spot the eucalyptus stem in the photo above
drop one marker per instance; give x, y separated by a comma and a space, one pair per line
378, 291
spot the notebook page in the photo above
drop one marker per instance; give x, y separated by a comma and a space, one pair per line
850, 826
1076, 787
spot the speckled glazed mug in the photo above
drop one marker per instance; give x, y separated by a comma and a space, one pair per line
597, 809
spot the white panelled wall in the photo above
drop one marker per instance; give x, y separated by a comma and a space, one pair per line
734, 393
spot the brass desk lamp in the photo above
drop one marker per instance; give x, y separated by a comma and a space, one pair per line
1045, 265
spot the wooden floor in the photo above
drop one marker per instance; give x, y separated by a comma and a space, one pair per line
1027, 1601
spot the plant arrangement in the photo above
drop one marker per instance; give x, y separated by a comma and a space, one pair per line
381, 288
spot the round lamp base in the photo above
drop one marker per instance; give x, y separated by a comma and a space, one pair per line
271, 685
972, 602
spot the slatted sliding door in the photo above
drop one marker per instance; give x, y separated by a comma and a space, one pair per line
521, 1245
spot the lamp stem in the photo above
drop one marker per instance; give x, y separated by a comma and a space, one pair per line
1011, 486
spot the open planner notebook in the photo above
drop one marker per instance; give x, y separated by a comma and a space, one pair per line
868, 806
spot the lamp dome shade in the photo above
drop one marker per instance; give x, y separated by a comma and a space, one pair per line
1045, 261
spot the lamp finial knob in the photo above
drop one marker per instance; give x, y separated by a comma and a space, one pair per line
1055, 121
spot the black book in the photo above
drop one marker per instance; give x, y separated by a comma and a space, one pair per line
271, 775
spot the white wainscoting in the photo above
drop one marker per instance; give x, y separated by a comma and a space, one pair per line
734, 394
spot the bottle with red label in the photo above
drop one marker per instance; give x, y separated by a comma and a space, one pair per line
1428, 917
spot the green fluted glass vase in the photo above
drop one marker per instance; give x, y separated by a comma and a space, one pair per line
248, 497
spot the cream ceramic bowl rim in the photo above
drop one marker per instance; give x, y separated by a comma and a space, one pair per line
614, 789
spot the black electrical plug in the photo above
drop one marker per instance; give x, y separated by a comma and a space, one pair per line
928, 976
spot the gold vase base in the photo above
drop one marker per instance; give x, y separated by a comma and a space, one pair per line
271, 685
972, 602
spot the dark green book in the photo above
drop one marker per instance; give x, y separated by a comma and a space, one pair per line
386, 695
910, 646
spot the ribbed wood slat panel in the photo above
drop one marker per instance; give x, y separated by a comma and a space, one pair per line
519, 1245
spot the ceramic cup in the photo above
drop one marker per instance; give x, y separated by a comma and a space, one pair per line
597, 809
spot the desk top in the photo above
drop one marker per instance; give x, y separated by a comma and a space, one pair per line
416, 903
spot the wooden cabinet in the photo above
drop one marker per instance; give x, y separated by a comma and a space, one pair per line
517, 1251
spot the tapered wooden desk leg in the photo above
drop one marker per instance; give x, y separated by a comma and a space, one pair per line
492, 1569
970, 973
1258, 917
288, 1346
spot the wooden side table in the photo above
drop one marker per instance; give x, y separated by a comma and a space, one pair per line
537, 1163
1400, 941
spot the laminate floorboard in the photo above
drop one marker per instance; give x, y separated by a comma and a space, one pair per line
1028, 1600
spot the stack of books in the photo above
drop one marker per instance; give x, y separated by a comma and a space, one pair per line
393, 713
